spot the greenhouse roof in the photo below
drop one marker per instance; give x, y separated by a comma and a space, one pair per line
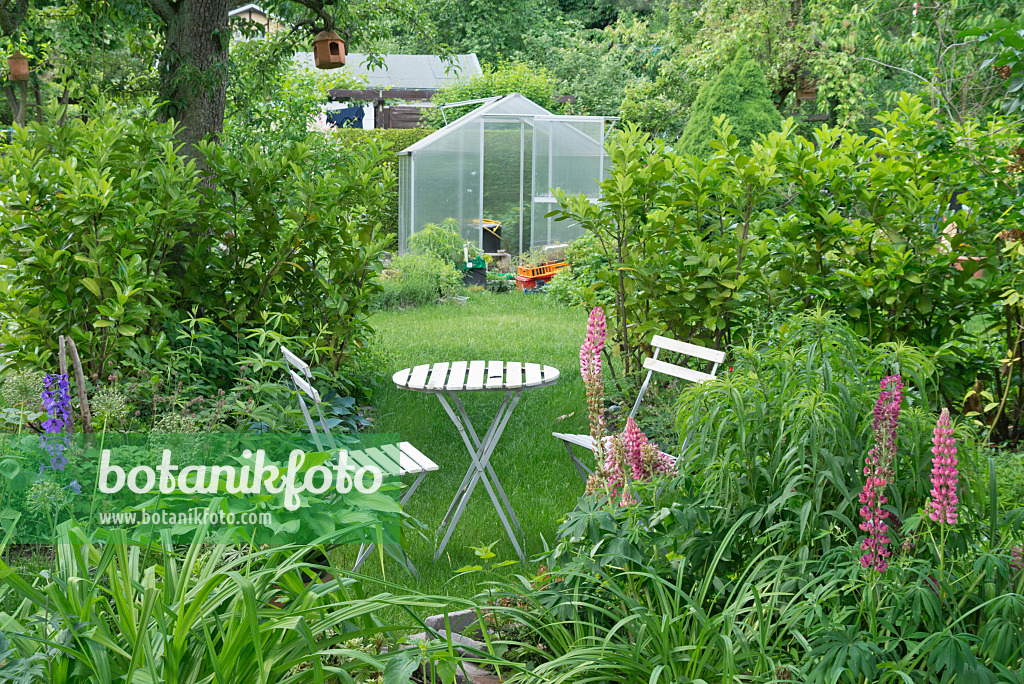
513, 104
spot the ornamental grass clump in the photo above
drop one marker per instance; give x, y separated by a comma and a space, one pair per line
877, 475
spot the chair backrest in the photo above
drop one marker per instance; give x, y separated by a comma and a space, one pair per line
304, 388
653, 364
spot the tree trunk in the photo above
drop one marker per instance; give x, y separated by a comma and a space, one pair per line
194, 67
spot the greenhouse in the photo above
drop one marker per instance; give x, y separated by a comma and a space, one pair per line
494, 170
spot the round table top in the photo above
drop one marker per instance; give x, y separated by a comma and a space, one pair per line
473, 376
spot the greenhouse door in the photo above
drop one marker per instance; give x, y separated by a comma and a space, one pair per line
505, 186
568, 154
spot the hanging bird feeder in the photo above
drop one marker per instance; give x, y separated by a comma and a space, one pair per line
328, 50
18, 64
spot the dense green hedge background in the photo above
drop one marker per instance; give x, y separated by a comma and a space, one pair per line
353, 139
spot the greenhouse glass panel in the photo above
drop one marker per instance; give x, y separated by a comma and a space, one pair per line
493, 171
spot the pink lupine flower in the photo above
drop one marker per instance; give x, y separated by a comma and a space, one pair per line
590, 369
885, 422
1017, 559
643, 456
877, 471
945, 475
610, 474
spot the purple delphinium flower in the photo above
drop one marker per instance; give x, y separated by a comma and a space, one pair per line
58, 423
877, 471
74, 486
945, 475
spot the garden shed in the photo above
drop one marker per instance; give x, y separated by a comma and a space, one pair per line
499, 163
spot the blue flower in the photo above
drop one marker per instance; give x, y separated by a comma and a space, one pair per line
57, 402
75, 487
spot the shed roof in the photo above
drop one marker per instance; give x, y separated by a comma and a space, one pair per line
407, 71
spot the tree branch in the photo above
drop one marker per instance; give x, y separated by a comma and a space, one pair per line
163, 9
317, 6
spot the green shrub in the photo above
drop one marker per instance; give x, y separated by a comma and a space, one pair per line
353, 141
740, 94
534, 83
444, 242
113, 236
205, 612
578, 283
417, 279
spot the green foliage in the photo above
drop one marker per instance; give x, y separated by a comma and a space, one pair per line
111, 235
94, 212
273, 101
505, 78
418, 279
116, 611
493, 29
598, 68
739, 94
578, 283
350, 143
1009, 61
443, 241
707, 249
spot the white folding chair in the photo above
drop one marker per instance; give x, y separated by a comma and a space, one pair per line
403, 459
653, 365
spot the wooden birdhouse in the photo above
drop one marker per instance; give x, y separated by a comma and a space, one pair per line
806, 89
328, 50
18, 64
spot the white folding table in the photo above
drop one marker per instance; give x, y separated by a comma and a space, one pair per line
447, 380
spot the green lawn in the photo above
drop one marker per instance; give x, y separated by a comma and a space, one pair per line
533, 467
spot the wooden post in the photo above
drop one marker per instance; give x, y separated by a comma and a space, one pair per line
62, 357
83, 399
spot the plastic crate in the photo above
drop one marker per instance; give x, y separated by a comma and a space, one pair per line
525, 283
542, 271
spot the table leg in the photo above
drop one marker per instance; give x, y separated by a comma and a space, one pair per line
465, 427
490, 469
480, 468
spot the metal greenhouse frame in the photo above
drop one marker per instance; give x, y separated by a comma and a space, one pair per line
499, 163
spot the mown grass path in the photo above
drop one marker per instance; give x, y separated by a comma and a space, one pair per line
532, 466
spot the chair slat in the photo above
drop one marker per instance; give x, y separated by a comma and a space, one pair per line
513, 374
676, 371
304, 386
700, 352
293, 359
422, 462
359, 459
476, 375
495, 375
438, 376
457, 376
418, 380
533, 374
384, 462
407, 465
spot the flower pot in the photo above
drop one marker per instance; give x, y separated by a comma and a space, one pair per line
474, 276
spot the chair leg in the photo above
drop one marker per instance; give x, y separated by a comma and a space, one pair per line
366, 550
583, 470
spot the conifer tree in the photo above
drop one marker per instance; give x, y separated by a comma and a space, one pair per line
740, 93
